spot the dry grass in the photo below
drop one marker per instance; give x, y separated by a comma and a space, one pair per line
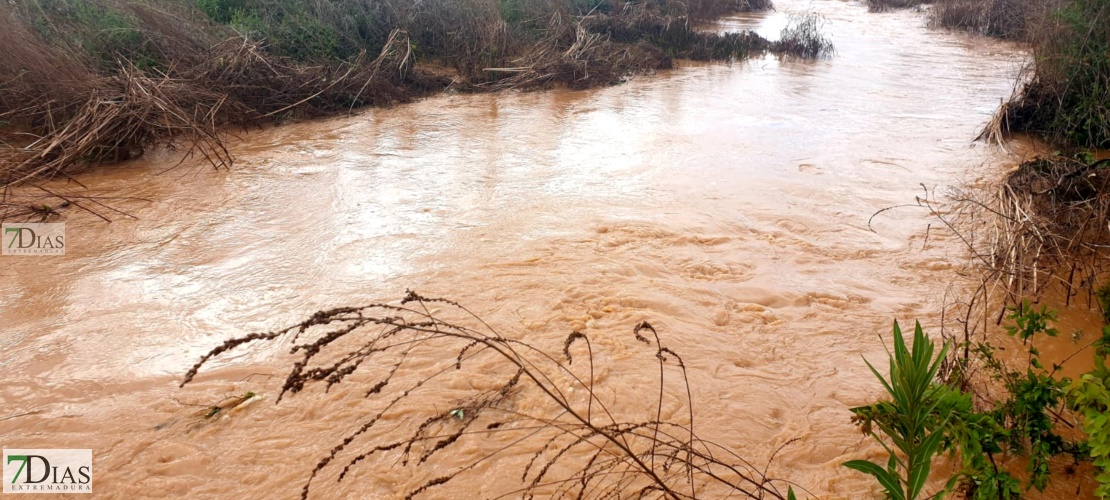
1044, 228
578, 445
39, 84
886, 5
99, 81
121, 114
802, 38
1054, 226
1007, 19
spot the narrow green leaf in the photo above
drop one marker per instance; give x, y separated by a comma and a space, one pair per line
919, 469
891, 483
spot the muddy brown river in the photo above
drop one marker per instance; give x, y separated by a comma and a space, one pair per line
726, 204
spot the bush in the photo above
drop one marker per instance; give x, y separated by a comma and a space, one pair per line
1067, 100
802, 38
1021, 423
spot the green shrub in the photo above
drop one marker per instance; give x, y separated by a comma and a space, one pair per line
924, 411
1090, 397
1068, 98
1024, 418
101, 32
1103, 296
305, 31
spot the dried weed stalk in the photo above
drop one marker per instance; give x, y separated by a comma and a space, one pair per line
578, 446
1045, 227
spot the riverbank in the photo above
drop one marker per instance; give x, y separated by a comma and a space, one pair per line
100, 81
1040, 236
1021, 398
1064, 95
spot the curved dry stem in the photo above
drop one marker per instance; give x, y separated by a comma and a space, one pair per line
571, 452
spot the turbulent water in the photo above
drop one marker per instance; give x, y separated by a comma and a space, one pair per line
728, 205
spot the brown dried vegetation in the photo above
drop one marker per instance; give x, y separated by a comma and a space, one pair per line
577, 445
97, 81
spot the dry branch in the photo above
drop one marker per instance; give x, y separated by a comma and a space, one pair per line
578, 446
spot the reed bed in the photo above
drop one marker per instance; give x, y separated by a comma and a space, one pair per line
1053, 227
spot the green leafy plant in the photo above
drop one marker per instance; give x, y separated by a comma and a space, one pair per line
914, 419
1032, 396
1023, 421
1029, 321
1103, 296
1090, 397
926, 417
977, 437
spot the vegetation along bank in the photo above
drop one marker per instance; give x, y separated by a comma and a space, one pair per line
96, 81
1039, 239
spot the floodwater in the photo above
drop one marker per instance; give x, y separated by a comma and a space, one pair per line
728, 205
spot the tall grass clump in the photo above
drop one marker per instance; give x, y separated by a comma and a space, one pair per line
802, 38
1056, 231
1040, 231
1007, 19
408, 360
